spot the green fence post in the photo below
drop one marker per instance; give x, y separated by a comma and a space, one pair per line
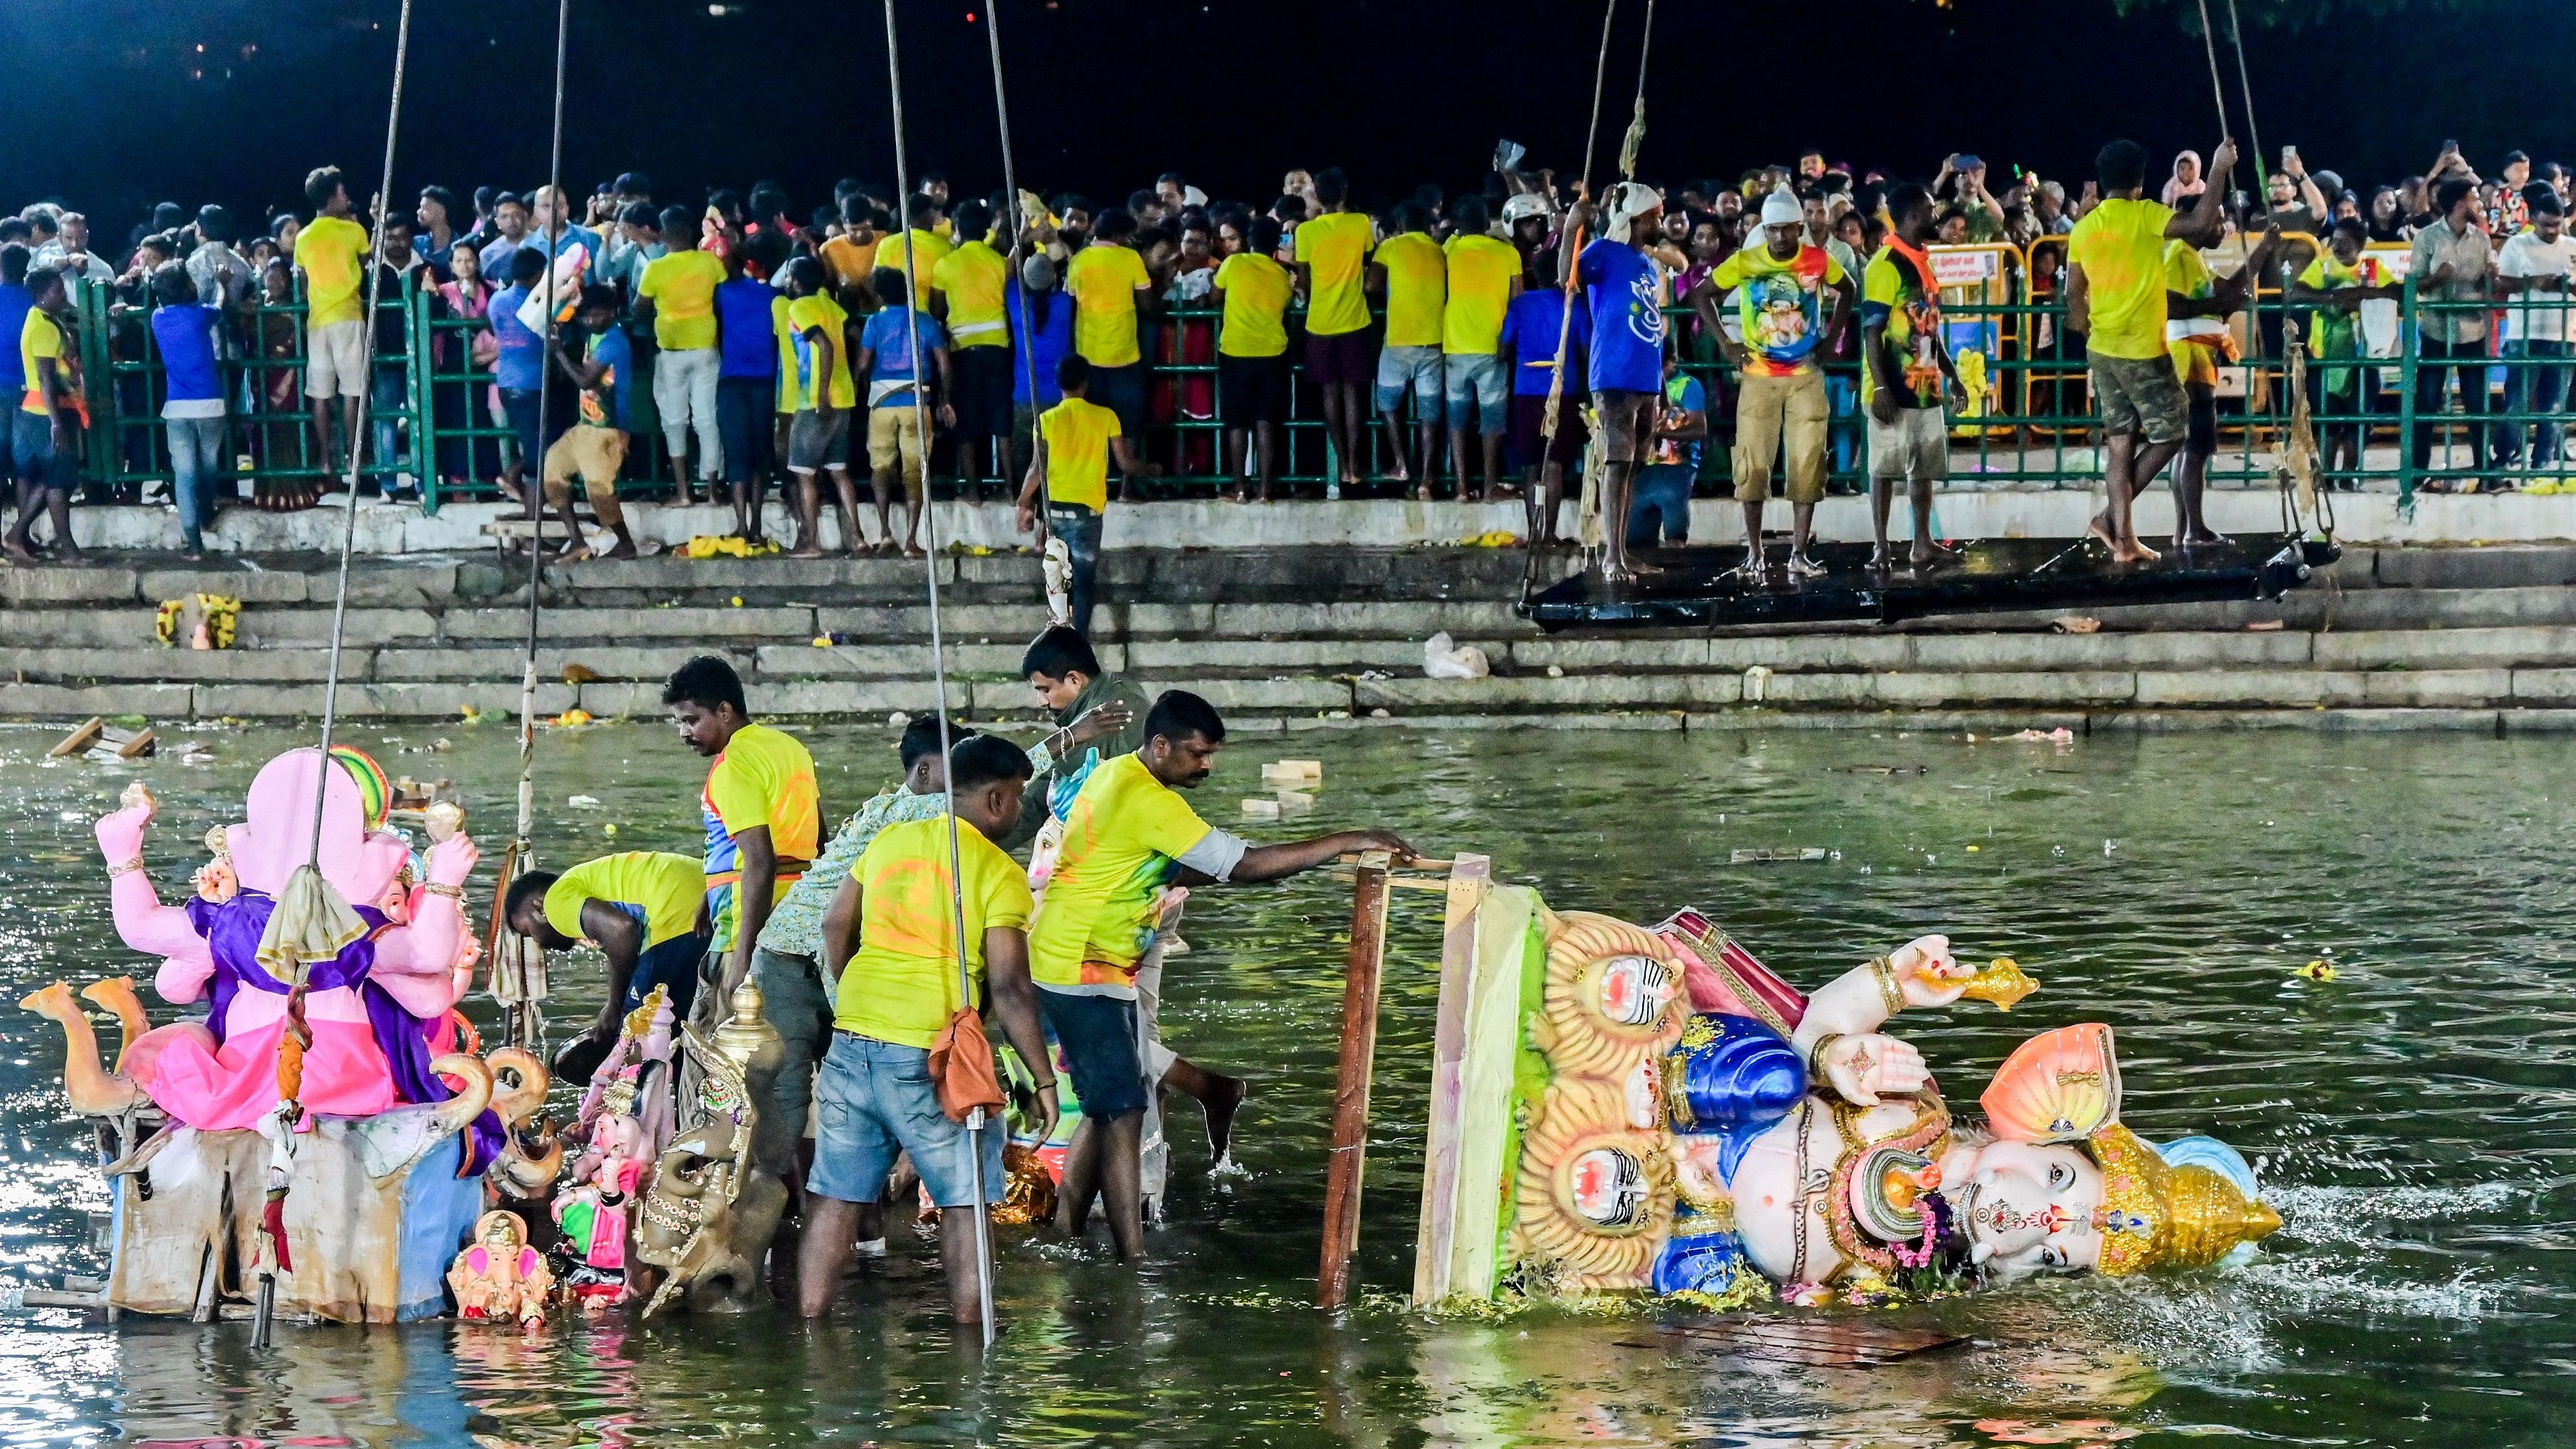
416, 372
98, 384
2408, 344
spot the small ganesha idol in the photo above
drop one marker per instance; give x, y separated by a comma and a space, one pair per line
499, 1278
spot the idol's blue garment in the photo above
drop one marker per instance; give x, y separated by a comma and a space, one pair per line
1729, 1079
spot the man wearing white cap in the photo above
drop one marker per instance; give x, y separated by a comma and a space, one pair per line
1622, 273
1780, 407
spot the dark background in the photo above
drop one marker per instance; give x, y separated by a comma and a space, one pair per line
109, 105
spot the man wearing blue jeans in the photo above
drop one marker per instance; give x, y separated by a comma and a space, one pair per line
748, 313
1071, 473
1660, 503
2534, 273
45, 436
876, 1097
520, 369
184, 333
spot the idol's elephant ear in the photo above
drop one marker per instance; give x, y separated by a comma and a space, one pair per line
519, 1084
2059, 1086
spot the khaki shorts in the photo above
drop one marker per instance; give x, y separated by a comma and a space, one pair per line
894, 432
593, 455
1916, 445
1773, 412
336, 360
2139, 395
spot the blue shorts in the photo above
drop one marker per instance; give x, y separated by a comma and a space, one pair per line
1098, 1034
874, 1100
1480, 392
1410, 369
674, 964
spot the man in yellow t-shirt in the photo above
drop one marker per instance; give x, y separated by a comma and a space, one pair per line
331, 252
966, 292
1128, 838
2197, 305
921, 238
1409, 269
851, 257
763, 813
1252, 290
1484, 277
46, 431
897, 993
678, 294
1111, 289
1070, 476
645, 910
1332, 275
2115, 296
818, 348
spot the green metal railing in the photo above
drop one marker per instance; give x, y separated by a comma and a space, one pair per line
2032, 425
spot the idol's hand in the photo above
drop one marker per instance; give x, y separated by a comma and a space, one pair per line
1927, 973
452, 860
1864, 1066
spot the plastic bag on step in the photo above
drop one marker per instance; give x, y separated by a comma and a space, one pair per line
1445, 658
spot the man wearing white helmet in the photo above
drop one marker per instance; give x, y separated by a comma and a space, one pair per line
1780, 406
1622, 273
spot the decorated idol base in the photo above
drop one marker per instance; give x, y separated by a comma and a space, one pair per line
1661, 1113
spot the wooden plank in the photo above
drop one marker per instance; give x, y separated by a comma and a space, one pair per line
1470, 880
1342, 1173
79, 739
143, 742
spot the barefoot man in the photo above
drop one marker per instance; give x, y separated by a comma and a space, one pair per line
2115, 296
1905, 373
1623, 278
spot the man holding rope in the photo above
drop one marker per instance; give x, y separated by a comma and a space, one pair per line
2115, 297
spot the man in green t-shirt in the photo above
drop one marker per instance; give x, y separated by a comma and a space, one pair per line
2115, 297
1906, 374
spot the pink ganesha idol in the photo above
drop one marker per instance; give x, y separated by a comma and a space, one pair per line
373, 1012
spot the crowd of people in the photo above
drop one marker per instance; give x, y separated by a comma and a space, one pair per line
853, 944
1152, 336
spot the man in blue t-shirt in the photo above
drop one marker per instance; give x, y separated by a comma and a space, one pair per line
1622, 275
1533, 325
15, 303
747, 379
1662, 503
184, 333
890, 355
520, 368
1041, 321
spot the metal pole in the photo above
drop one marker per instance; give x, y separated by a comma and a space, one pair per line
976, 1125
1342, 1170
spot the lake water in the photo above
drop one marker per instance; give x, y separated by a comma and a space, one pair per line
2414, 1117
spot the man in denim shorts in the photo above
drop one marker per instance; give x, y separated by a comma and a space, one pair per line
875, 1096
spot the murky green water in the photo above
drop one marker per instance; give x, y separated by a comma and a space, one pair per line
2416, 1116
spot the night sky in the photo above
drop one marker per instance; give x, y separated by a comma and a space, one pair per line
109, 105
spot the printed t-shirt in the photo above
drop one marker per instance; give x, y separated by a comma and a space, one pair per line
901, 986
330, 251
894, 371
2195, 342
1626, 297
184, 335
1481, 269
1417, 289
683, 288
1683, 393
604, 406
1102, 280
1890, 292
662, 891
804, 315
1123, 838
1256, 290
764, 777
2120, 244
1335, 248
1780, 305
1530, 329
851, 263
1077, 435
742, 307
972, 278
39, 338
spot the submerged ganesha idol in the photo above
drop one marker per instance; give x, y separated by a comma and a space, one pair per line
1687, 1122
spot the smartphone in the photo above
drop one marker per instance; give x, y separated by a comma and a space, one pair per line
2450, 148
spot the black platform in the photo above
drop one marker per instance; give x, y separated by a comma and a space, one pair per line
1698, 586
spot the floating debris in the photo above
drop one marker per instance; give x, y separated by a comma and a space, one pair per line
1764, 855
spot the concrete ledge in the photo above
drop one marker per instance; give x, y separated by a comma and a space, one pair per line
2347, 721
57, 701
2265, 687
884, 661
502, 664
152, 662
623, 626
1537, 692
